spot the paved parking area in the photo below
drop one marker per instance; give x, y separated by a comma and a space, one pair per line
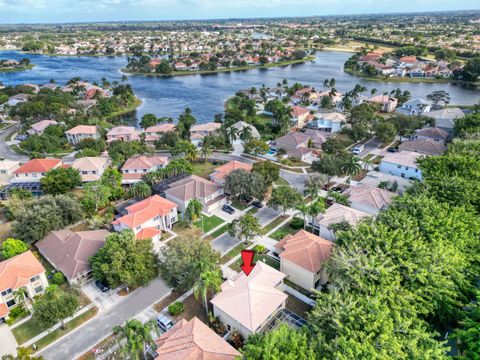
8, 344
265, 215
102, 300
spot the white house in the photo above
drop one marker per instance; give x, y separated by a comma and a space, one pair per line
403, 164
91, 168
81, 132
328, 122
414, 107
35, 169
7, 169
369, 199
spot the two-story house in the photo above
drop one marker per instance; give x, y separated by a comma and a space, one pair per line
153, 133
122, 133
198, 132
91, 168
137, 166
331, 122
221, 172
402, 163
39, 127
7, 168
78, 133
148, 218
21, 271
33, 170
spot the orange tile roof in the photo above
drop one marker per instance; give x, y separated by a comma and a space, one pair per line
224, 170
193, 340
38, 166
3, 310
145, 210
17, 271
82, 129
144, 162
147, 233
305, 249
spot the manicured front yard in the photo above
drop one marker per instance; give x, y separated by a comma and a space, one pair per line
273, 224
283, 231
258, 257
28, 330
239, 205
218, 232
203, 169
253, 210
208, 223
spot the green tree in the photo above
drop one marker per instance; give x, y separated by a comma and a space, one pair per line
95, 197
140, 190
256, 147
137, 335
330, 165
124, 260
283, 343
245, 227
12, 247
314, 183
60, 180
439, 96
206, 150
285, 197
55, 305
148, 120
184, 259
241, 184
269, 171
209, 280
385, 131
112, 178
351, 166
185, 121
193, 212
468, 335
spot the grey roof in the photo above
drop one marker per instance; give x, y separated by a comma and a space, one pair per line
192, 187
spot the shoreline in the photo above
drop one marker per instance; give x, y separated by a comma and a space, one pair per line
24, 68
224, 70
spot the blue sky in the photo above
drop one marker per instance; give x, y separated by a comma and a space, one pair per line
28, 11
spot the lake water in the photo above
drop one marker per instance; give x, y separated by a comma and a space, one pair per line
206, 94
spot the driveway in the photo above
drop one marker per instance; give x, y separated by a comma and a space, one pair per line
296, 180
85, 337
266, 214
8, 344
224, 243
102, 300
5, 150
370, 146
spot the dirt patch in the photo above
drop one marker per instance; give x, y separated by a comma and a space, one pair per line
158, 307
193, 308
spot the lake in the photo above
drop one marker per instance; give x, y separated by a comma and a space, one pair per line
206, 94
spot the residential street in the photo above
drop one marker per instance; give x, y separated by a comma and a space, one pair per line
73, 344
296, 180
5, 150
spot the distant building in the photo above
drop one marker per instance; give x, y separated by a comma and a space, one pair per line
137, 166
369, 199
7, 169
78, 133
122, 133
445, 118
328, 122
91, 168
221, 172
39, 127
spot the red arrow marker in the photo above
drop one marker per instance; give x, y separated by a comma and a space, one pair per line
248, 264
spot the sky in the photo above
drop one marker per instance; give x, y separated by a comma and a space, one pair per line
57, 11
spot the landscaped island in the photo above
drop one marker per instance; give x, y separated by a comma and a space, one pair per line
7, 65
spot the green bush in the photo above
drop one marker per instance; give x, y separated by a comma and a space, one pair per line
176, 308
296, 223
58, 278
259, 249
16, 313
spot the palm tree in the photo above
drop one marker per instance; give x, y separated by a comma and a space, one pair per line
193, 211
231, 133
191, 153
366, 164
246, 134
351, 167
332, 82
303, 210
206, 151
209, 280
316, 208
373, 92
137, 336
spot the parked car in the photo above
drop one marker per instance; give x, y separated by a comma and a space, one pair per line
164, 322
392, 150
228, 209
21, 137
257, 204
357, 149
338, 189
102, 285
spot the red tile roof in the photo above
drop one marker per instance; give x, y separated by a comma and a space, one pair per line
17, 271
147, 233
38, 166
222, 171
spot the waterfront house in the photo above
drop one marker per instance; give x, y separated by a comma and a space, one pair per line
242, 125
302, 258
69, 252
78, 133
122, 133
198, 132
91, 168
402, 163
21, 271
414, 107
387, 103
330, 122
33, 170
153, 133
248, 303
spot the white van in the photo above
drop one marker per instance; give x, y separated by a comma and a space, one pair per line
357, 149
164, 323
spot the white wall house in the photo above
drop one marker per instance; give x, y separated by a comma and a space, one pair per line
403, 164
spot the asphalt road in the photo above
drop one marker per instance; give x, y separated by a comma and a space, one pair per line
5, 150
295, 180
85, 337
265, 215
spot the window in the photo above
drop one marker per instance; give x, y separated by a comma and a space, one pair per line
416, 170
84, 172
33, 175
399, 166
406, 167
38, 289
3, 171
138, 227
6, 292
11, 303
94, 172
35, 278
156, 218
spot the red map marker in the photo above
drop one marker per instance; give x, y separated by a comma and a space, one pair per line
248, 264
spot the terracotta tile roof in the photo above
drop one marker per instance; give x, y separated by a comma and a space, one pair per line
121, 130
91, 164
160, 128
42, 125
299, 111
69, 251
193, 340
222, 171
3, 310
209, 127
17, 271
192, 187
147, 233
82, 129
145, 210
370, 196
144, 162
405, 158
337, 213
305, 249
38, 166
250, 300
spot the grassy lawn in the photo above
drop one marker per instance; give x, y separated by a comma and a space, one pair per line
273, 224
28, 330
282, 182
203, 169
218, 232
253, 210
234, 252
264, 258
239, 206
209, 222
71, 325
283, 231
377, 159
345, 139
184, 230
298, 288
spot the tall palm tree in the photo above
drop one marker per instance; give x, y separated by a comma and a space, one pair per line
137, 335
303, 210
246, 134
206, 151
366, 163
194, 211
191, 153
373, 92
231, 133
316, 208
209, 280
351, 167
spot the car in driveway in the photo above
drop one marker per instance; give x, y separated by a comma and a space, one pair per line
257, 204
102, 285
228, 209
164, 322
392, 149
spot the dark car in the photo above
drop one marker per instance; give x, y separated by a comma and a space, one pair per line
228, 209
392, 150
102, 285
257, 204
338, 189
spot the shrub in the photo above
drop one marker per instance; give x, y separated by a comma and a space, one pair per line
296, 223
176, 308
260, 249
16, 313
216, 325
58, 278
236, 339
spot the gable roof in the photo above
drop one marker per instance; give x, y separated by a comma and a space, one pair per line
240, 125
162, 128
210, 126
305, 249
18, 270
38, 166
96, 164
192, 187
299, 111
121, 130
370, 196
338, 213
42, 125
446, 114
222, 171
332, 116
69, 251
250, 300
427, 147
193, 340
433, 132
145, 210
82, 129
